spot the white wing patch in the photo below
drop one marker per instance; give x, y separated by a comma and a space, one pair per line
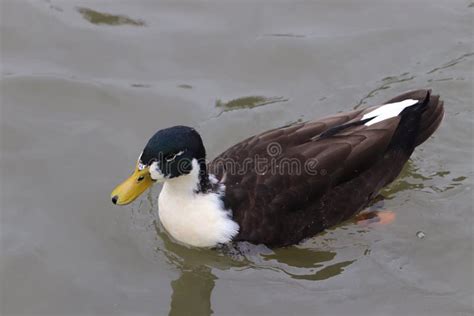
387, 111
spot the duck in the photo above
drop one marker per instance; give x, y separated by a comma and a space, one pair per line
284, 185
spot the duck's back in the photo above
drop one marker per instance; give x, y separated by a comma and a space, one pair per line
290, 183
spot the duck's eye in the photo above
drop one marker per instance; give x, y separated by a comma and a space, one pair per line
140, 178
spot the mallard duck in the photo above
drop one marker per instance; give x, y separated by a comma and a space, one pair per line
284, 185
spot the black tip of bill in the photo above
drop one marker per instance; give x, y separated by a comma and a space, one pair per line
115, 199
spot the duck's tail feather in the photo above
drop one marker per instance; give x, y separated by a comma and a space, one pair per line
430, 119
432, 112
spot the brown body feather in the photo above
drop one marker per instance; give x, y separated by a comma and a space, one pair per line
281, 206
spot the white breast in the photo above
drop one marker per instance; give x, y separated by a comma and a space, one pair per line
195, 219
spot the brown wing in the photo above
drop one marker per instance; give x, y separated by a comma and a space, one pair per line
274, 175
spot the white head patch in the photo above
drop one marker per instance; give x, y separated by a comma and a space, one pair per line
388, 111
155, 172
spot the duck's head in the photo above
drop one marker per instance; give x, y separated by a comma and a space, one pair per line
168, 154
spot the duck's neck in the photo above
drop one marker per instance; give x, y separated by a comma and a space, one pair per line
204, 184
193, 215
197, 181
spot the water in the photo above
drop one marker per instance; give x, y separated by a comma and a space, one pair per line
86, 83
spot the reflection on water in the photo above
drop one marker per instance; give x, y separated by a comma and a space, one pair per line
444, 79
300, 258
96, 17
285, 35
140, 85
451, 63
405, 181
306, 262
386, 83
248, 102
192, 290
185, 86
411, 178
325, 273
389, 81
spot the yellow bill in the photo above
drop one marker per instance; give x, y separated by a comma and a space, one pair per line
133, 187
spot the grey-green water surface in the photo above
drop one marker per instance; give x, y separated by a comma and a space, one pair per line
85, 83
